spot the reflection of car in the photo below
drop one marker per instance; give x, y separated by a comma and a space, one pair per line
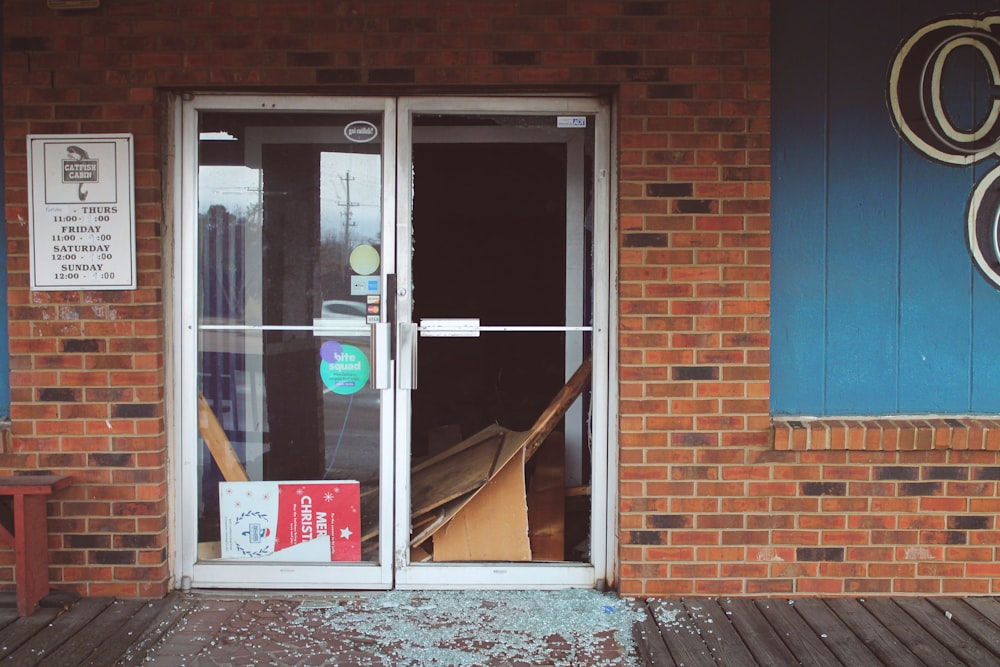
340, 310
343, 317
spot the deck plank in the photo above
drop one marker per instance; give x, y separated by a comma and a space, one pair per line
152, 629
844, 640
681, 634
949, 633
762, 640
804, 642
882, 642
986, 632
145, 620
8, 615
718, 633
108, 624
63, 627
988, 607
646, 634
910, 633
23, 629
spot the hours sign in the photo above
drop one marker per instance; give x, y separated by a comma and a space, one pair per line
82, 212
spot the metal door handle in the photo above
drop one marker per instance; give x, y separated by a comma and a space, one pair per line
381, 341
408, 359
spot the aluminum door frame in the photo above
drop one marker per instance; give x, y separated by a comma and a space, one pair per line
182, 332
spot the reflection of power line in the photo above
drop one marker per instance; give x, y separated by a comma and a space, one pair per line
347, 178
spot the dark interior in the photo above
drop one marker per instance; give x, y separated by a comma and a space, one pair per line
489, 227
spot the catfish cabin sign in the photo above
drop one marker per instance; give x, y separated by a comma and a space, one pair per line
82, 212
919, 109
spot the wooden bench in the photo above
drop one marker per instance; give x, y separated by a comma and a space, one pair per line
24, 527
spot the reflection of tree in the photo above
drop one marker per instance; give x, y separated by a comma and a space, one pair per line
335, 278
222, 249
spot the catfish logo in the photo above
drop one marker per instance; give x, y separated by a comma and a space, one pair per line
78, 167
918, 109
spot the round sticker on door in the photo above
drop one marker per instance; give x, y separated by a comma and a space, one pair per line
364, 260
360, 132
344, 368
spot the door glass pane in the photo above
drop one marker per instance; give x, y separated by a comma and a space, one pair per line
502, 232
289, 248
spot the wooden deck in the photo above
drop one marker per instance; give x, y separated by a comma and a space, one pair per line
68, 632
728, 632
821, 632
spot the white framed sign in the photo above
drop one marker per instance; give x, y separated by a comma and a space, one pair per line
81, 202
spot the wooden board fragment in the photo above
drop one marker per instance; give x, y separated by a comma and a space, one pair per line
468, 467
209, 550
218, 444
547, 500
557, 409
493, 525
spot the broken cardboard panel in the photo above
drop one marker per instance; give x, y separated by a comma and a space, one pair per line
444, 494
493, 525
546, 500
443, 484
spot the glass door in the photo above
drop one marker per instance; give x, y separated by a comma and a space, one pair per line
502, 312
290, 484
393, 335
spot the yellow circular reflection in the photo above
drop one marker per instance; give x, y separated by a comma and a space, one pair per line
364, 260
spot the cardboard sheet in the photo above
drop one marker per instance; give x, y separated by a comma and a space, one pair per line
491, 526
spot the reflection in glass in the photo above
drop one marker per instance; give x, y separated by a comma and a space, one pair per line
284, 200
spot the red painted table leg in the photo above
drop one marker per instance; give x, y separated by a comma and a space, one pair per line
31, 549
28, 533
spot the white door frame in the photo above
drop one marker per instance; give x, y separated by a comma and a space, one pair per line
394, 568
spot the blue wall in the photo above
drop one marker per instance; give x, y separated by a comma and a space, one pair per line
876, 306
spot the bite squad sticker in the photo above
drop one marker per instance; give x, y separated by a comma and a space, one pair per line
291, 521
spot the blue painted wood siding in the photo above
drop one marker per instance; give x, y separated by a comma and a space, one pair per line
876, 306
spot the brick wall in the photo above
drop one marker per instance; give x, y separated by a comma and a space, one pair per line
708, 504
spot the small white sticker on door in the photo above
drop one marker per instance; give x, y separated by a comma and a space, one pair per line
571, 121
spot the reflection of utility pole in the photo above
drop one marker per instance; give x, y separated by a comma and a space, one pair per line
347, 214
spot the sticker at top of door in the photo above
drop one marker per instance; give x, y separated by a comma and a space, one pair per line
360, 132
571, 121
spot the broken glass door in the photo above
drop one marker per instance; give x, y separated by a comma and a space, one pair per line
498, 339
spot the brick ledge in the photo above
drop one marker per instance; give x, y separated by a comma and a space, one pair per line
886, 433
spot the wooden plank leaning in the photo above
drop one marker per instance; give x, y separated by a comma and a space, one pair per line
218, 444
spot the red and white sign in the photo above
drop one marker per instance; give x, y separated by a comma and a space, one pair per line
291, 521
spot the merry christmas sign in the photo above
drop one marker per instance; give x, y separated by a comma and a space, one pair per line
291, 521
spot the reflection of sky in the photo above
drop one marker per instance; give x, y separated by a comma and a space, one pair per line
237, 189
365, 176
